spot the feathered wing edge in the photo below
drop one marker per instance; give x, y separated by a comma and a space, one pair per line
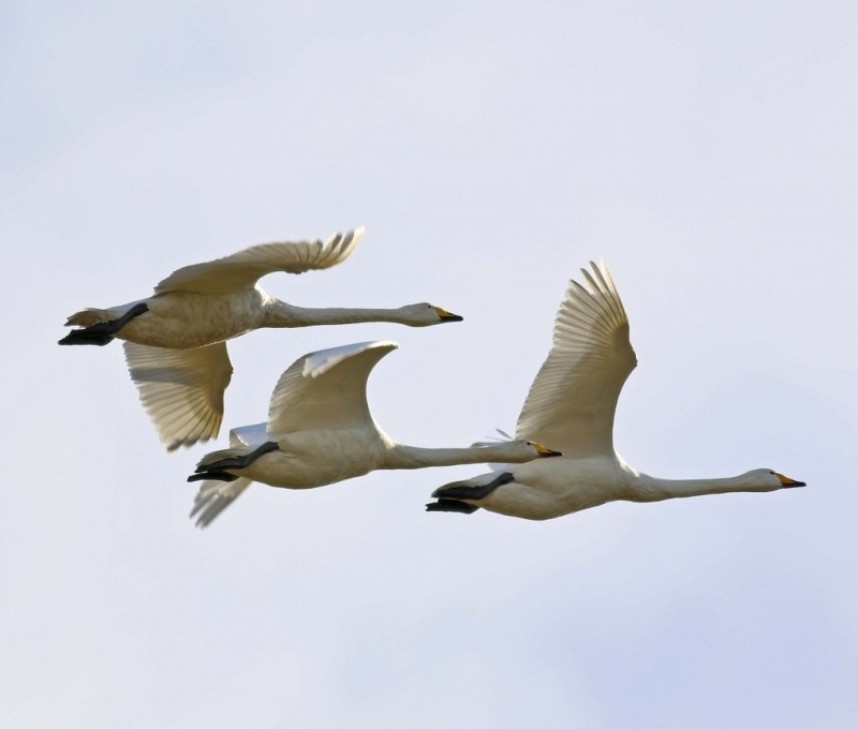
181, 389
571, 403
246, 267
326, 389
215, 496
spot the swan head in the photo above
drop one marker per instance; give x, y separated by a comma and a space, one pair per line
765, 479
541, 450
425, 314
518, 451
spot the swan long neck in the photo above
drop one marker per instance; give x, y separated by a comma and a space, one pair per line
280, 314
405, 456
651, 488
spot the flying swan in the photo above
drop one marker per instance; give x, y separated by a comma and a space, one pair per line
175, 341
320, 431
571, 407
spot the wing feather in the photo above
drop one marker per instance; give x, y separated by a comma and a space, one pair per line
571, 403
243, 269
326, 390
181, 389
213, 497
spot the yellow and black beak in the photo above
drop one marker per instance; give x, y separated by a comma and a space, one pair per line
446, 315
789, 483
545, 452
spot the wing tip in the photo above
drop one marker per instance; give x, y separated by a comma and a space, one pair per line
317, 363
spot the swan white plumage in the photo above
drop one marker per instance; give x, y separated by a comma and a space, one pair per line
571, 407
175, 340
320, 431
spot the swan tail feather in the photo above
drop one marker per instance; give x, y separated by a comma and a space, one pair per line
88, 317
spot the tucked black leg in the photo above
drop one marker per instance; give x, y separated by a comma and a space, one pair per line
461, 489
213, 475
459, 507
103, 332
238, 461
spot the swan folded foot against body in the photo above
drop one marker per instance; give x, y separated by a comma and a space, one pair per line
451, 505
214, 475
103, 332
464, 490
217, 469
448, 496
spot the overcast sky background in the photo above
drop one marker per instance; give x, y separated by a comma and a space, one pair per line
707, 151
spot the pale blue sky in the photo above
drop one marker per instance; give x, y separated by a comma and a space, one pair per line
706, 151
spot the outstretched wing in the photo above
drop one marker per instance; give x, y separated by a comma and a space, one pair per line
326, 390
571, 404
245, 268
181, 389
214, 496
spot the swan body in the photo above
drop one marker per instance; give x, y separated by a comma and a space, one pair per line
175, 340
571, 407
320, 431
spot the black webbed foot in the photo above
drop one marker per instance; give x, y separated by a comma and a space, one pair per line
215, 475
237, 462
461, 489
216, 470
452, 505
85, 336
103, 332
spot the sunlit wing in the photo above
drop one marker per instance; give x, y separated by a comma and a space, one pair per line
571, 404
181, 389
245, 268
326, 390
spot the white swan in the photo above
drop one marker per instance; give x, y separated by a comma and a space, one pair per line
175, 340
320, 431
571, 407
